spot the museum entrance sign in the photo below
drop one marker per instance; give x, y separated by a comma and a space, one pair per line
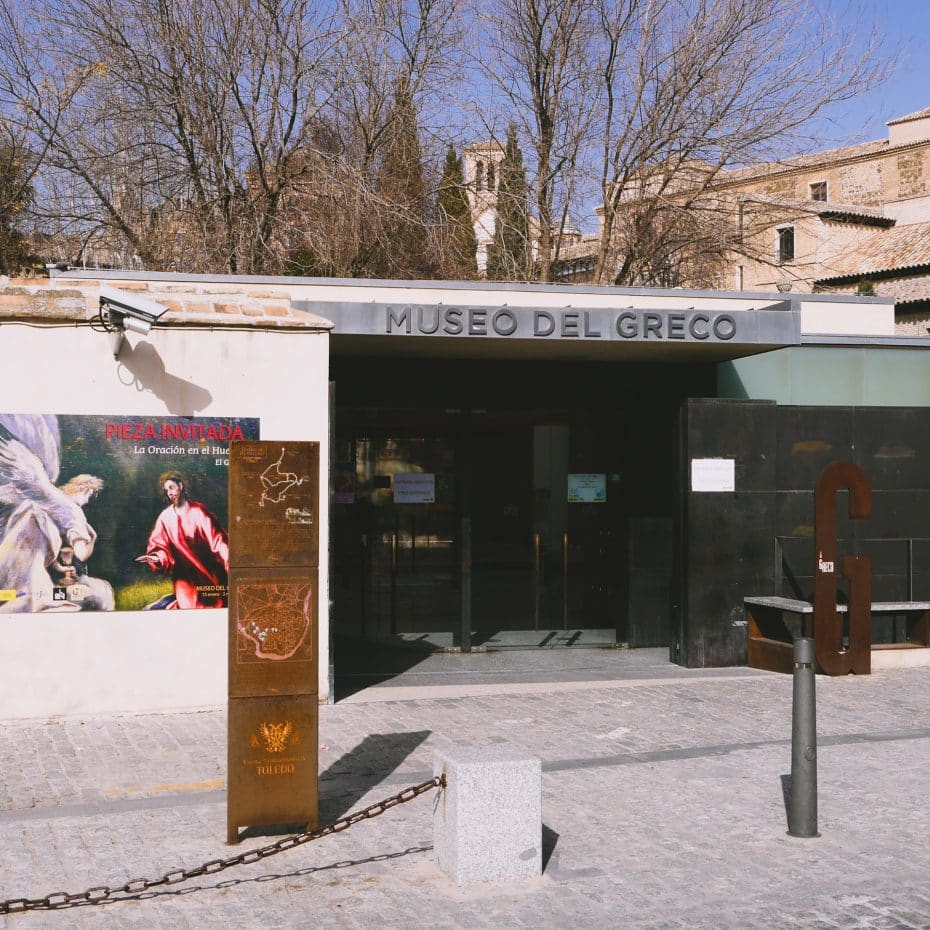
770, 327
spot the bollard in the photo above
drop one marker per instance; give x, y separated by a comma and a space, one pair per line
802, 801
487, 821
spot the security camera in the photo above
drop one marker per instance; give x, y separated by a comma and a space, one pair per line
130, 311
121, 311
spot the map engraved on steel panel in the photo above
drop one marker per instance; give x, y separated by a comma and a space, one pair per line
274, 621
276, 482
274, 496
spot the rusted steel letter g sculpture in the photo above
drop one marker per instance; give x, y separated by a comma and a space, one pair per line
857, 569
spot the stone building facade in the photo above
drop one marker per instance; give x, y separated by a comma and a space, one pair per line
850, 220
853, 220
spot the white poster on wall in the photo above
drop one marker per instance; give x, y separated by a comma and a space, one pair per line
713, 474
412, 487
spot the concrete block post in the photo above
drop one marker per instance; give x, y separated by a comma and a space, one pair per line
487, 822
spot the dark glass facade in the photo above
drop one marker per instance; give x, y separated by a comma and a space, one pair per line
531, 500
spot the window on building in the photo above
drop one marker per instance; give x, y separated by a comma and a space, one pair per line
786, 244
491, 176
479, 176
819, 191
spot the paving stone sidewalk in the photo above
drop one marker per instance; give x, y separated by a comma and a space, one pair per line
662, 808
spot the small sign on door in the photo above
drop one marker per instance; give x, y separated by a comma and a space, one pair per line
412, 487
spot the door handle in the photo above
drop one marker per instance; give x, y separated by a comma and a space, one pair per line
537, 547
565, 581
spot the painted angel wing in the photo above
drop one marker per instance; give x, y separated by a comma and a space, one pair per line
22, 476
25, 477
39, 434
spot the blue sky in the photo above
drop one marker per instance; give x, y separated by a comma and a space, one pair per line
905, 29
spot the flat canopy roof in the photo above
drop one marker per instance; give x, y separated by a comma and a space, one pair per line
483, 319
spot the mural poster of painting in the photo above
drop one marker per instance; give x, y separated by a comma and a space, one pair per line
114, 512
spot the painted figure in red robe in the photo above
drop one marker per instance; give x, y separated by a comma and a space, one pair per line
189, 542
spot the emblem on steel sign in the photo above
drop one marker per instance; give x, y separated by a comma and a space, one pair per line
274, 735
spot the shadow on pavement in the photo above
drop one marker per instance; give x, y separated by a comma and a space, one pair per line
342, 786
361, 665
786, 794
350, 777
233, 882
549, 840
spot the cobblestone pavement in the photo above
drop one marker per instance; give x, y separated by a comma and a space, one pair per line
662, 806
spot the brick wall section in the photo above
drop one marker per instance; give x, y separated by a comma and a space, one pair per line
256, 307
913, 324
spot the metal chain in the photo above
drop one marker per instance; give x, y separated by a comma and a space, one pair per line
135, 886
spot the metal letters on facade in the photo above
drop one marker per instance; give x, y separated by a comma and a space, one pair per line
828, 622
273, 634
597, 324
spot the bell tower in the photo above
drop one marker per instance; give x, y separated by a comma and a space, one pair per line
482, 162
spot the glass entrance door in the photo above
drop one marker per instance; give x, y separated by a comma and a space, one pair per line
541, 567
563, 474
498, 501
396, 545
545, 564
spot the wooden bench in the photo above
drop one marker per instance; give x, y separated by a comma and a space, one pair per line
771, 638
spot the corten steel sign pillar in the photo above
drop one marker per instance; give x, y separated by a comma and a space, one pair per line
857, 569
273, 634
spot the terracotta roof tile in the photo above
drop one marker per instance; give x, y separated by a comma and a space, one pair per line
828, 209
900, 247
920, 114
903, 290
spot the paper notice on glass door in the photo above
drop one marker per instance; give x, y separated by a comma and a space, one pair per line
414, 488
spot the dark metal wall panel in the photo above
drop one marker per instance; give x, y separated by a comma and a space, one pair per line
893, 446
724, 539
808, 440
725, 543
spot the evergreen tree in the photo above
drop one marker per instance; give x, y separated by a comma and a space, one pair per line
509, 252
15, 196
458, 245
402, 249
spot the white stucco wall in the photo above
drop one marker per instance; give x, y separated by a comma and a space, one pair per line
911, 210
89, 663
830, 317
